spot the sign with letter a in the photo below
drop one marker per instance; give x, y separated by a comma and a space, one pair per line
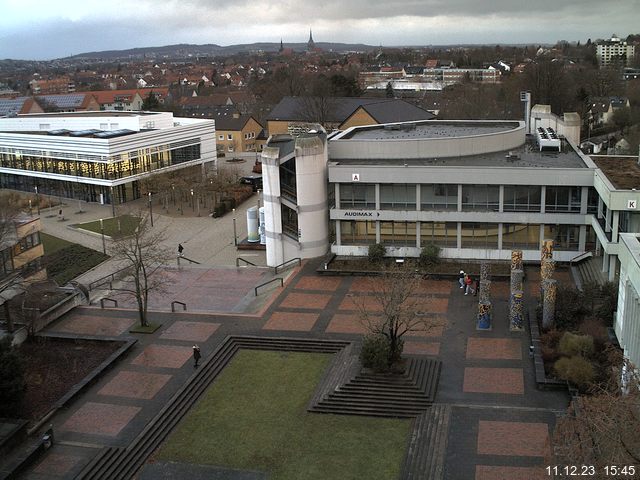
355, 177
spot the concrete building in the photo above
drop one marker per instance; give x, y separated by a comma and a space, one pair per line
99, 156
614, 51
627, 320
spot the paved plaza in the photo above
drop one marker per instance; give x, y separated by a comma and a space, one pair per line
500, 423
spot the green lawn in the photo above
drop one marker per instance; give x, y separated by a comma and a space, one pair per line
113, 227
65, 260
254, 417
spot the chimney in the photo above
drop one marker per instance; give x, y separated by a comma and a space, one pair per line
236, 115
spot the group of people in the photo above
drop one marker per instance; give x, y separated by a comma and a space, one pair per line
468, 284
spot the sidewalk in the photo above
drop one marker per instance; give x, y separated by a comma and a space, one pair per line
206, 240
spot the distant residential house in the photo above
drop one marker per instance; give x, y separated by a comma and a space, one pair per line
614, 50
120, 100
341, 112
18, 106
236, 132
602, 109
71, 102
52, 86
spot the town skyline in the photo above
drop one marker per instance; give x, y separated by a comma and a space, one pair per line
49, 31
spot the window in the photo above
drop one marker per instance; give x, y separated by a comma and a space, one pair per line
522, 198
230, 148
399, 196
565, 237
398, 233
288, 179
289, 222
220, 137
562, 199
357, 195
480, 197
480, 235
357, 233
229, 136
438, 197
520, 236
439, 233
27, 243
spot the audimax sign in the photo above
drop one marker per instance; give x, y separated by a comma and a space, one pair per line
364, 214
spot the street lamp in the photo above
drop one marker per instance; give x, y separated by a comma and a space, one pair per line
30, 210
193, 205
150, 209
235, 236
37, 199
104, 246
113, 204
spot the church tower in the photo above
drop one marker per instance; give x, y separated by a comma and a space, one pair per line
311, 46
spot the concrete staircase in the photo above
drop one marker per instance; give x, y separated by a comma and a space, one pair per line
425, 457
590, 270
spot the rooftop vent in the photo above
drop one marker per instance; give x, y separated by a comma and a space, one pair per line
548, 139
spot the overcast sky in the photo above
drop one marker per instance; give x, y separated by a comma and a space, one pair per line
46, 29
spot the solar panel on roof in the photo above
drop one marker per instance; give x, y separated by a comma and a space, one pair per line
64, 101
83, 133
61, 131
114, 133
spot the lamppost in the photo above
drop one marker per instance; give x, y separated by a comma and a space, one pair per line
193, 205
30, 210
113, 204
104, 246
37, 199
150, 209
235, 236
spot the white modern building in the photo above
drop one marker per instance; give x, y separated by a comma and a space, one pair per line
614, 51
99, 156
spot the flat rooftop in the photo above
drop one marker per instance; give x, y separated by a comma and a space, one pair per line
428, 130
622, 172
525, 156
90, 113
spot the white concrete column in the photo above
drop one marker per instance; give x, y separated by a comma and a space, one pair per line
582, 238
612, 267
614, 226
543, 199
501, 200
584, 198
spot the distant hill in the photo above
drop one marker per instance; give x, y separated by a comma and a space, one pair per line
186, 50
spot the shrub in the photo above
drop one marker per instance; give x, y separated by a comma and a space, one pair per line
375, 353
572, 344
570, 308
429, 255
608, 302
576, 370
377, 251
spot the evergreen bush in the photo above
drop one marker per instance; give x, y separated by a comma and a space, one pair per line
376, 253
375, 353
572, 344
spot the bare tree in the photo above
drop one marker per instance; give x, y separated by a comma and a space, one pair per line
396, 305
601, 429
145, 256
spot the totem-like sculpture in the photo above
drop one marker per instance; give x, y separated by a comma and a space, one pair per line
484, 296
547, 265
516, 307
516, 311
549, 303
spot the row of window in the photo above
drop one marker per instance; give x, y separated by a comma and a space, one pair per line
472, 235
474, 197
247, 136
127, 166
27, 243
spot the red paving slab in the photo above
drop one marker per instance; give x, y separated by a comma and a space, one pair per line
438, 286
491, 472
190, 331
306, 300
513, 438
216, 289
346, 323
135, 385
494, 348
100, 419
359, 302
93, 325
493, 380
56, 464
299, 322
421, 348
163, 356
364, 284
330, 284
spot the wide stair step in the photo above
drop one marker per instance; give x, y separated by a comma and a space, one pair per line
425, 457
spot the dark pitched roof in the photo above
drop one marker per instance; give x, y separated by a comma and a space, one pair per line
383, 110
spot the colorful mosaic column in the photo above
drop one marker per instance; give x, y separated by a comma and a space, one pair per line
485, 271
549, 303
516, 311
547, 269
484, 316
547, 249
484, 295
517, 277
516, 259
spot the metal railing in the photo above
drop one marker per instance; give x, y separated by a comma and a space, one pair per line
107, 279
173, 306
102, 300
267, 283
187, 259
239, 259
287, 264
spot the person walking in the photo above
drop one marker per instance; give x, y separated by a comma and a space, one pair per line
180, 249
461, 278
468, 284
196, 355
